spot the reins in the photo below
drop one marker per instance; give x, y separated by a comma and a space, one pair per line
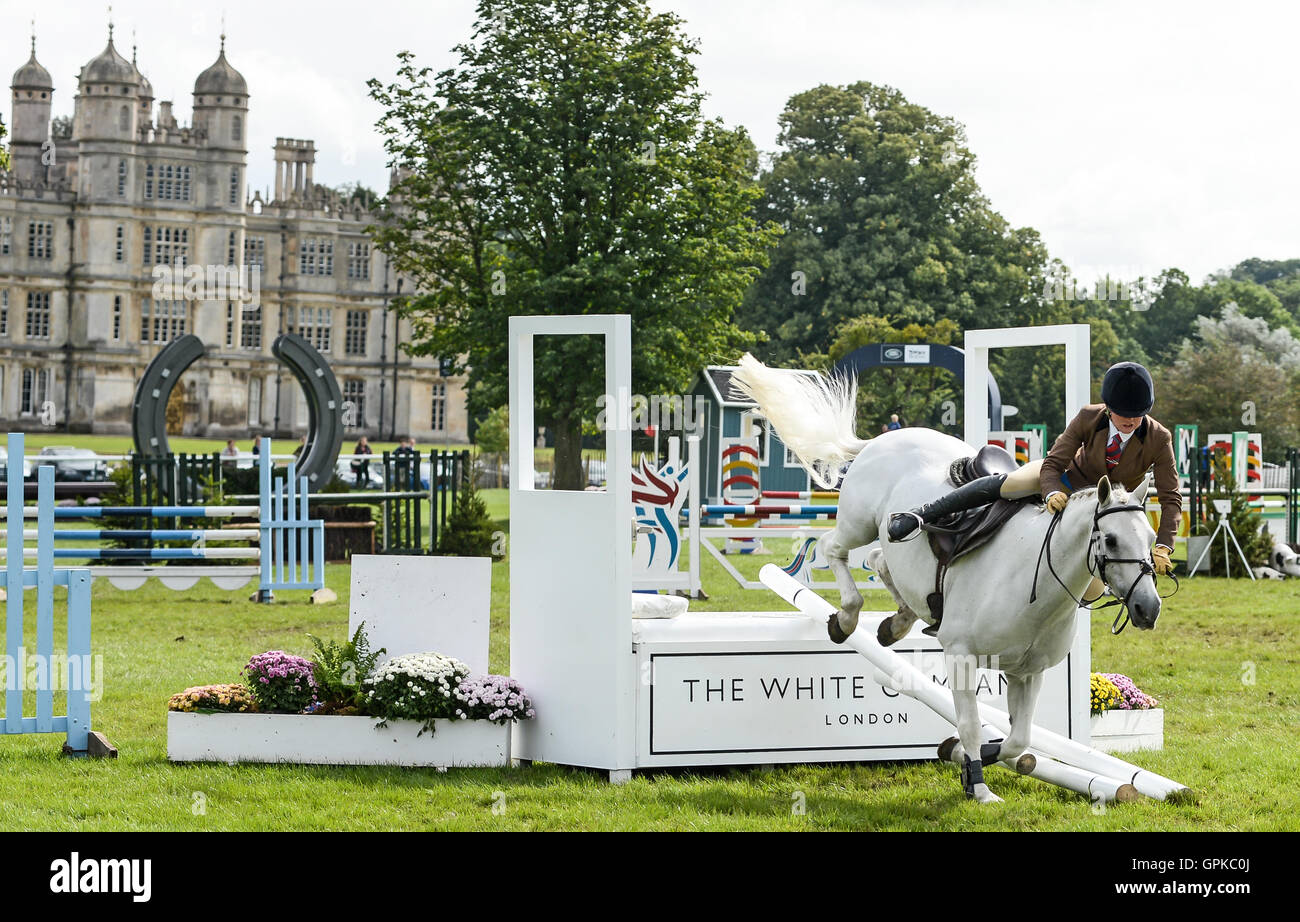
1101, 559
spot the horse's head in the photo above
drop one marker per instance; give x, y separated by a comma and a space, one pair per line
1121, 550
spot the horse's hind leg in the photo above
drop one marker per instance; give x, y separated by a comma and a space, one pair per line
835, 550
895, 627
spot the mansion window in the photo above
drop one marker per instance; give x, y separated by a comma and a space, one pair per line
162, 321
358, 261
255, 252
250, 328
4, 313
121, 179
438, 418
354, 392
117, 317
234, 185
316, 256
168, 182
35, 390
312, 324
166, 245
37, 324
6, 236
119, 248
354, 334
40, 239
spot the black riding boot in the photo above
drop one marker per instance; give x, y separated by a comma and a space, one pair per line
978, 492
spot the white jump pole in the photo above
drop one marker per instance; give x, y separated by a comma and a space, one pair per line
1070, 764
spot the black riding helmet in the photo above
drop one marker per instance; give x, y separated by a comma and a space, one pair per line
1127, 390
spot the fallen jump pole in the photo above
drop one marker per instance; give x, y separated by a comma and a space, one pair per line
1094, 773
760, 510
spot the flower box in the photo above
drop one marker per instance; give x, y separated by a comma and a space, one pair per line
329, 740
1128, 731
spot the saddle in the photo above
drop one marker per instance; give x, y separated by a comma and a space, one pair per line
957, 535
991, 459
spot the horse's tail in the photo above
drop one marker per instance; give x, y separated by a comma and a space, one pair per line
813, 414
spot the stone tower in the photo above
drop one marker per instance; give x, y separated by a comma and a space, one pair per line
104, 125
221, 123
33, 96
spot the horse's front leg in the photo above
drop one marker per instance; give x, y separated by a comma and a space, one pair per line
963, 679
845, 621
1022, 698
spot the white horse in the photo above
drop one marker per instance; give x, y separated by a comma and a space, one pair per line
988, 619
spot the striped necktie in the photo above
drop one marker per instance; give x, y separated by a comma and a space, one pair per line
1112, 453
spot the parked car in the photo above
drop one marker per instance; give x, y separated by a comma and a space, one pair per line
71, 463
4, 466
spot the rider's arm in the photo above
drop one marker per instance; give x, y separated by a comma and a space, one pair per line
1058, 459
1171, 498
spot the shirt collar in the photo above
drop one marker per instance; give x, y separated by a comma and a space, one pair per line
1112, 432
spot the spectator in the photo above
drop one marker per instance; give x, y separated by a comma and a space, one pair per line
893, 422
298, 450
230, 451
884, 427
406, 463
257, 445
360, 466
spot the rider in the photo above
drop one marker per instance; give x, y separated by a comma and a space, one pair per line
1098, 441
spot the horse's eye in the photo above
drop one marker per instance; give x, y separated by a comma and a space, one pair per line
1111, 542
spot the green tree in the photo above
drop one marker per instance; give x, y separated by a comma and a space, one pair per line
883, 217
1233, 376
493, 435
470, 532
4, 151
563, 167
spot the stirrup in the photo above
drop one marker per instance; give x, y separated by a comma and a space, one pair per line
914, 533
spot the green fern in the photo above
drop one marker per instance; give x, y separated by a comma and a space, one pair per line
339, 670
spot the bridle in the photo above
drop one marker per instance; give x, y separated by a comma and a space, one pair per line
1098, 559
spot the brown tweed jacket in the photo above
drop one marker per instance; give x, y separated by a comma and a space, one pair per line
1080, 452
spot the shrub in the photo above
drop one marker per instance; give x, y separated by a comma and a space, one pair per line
419, 686
339, 669
281, 682
470, 532
497, 698
213, 698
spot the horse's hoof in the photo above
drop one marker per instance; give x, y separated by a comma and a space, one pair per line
884, 636
833, 629
982, 795
946, 748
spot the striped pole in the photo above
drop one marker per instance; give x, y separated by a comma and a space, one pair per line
144, 553
801, 494
181, 512
782, 510
144, 534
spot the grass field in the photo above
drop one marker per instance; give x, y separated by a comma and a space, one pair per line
1223, 661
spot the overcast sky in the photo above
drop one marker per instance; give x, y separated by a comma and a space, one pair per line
1133, 135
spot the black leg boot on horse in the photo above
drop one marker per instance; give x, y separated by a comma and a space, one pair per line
979, 492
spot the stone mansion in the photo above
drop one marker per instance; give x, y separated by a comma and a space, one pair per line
87, 213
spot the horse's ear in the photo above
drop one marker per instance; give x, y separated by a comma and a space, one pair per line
1103, 490
1139, 496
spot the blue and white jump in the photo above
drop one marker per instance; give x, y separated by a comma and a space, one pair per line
291, 551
